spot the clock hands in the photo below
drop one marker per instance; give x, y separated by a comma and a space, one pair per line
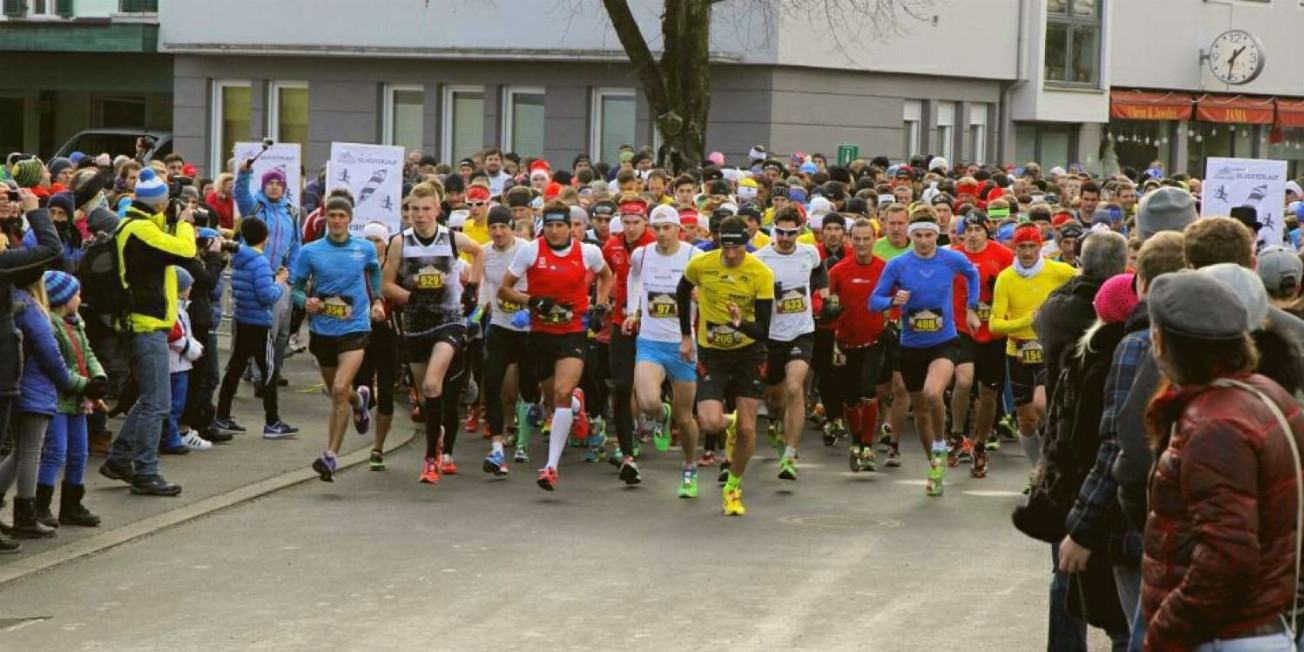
1231, 61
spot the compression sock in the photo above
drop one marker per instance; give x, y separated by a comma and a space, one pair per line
433, 409
561, 427
733, 482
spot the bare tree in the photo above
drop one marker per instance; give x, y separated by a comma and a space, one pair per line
678, 85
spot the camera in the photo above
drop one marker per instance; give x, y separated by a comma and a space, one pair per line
230, 247
11, 194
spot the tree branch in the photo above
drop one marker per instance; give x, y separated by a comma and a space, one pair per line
631, 39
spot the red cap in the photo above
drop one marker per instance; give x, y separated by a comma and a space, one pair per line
1060, 219
477, 193
1027, 233
551, 191
189, 170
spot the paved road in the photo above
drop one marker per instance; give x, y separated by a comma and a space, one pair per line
836, 561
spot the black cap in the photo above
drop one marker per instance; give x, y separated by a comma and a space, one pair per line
942, 198
1071, 232
500, 214
468, 162
557, 216
857, 206
749, 210
976, 217
454, 183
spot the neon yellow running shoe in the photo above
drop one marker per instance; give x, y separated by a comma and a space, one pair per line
787, 469
936, 472
688, 483
733, 502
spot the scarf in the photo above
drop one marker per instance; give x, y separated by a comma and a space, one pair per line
1029, 272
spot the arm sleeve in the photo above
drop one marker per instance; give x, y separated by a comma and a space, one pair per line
760, 327
373, 274
180, 247
47, 354
684, 302
634, 282
244, 200
881, 299
819, 277
593, 258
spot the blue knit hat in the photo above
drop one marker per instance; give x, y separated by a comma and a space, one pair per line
184, 279
150, 189
60, 287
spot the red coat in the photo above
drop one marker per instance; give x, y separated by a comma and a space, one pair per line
1219, 541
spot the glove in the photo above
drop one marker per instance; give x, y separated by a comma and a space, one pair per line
830, 311
541, 305
521, 319
470, 298
96, 388
597, 316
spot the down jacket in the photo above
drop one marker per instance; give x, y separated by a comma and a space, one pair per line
1220, 537
44, 371
253, 287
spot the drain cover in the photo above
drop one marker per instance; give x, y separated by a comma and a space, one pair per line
840, 521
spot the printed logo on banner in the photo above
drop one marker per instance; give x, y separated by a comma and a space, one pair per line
373, 174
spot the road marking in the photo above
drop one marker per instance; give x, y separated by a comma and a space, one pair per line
988, 493
917, 483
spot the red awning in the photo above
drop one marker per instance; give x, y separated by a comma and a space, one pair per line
1145, 105
1290, 113
1235, 109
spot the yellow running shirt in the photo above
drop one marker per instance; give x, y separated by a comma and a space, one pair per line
717, 287
1017, 299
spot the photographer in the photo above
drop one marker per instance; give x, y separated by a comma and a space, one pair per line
147, 244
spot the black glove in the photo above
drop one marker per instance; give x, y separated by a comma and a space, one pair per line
830, 311
470, 298
541, 305
96, 388
891, 332
597, 316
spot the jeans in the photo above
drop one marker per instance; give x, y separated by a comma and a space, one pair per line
179, 380
1067, 633
65, 441
138, 440
1128, 582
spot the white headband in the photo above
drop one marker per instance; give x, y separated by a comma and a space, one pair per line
923, 226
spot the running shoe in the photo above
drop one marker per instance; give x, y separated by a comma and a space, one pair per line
521, 456
661, 434
472, 418
279, 430
362, 413
775, 434
688, 483
868, 459
597, 447
547, 479
893, 455
617, 457
636, 449
840, 429
324, 465
580, 426
535, 416
979, 468
817, 414
377, 461
787, 469
993, 443
416, 415
1008, 427
446, 465
629, 472
733, 502
957, 449
494, 463
885, 435
429, 471
229, 425
830, 435
707, 459
853, 458
936, 472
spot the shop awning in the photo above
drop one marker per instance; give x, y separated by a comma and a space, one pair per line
1290, 113
1146, 105
1235, 109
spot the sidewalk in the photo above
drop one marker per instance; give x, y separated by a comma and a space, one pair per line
227, 474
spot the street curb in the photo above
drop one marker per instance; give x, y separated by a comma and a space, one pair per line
95, 544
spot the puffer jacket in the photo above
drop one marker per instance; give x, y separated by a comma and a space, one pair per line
44, 372
77, 356
1067, 313
283, 238
1220, 537
253, 287
24, 261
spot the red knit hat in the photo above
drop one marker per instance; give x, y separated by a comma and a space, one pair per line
1116, 299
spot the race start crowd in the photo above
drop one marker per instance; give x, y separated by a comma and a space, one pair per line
1154, 403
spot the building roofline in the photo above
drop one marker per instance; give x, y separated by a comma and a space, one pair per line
478, 54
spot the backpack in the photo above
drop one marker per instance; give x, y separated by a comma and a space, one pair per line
104, 297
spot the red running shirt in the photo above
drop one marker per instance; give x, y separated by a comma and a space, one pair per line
852, 282
990, 263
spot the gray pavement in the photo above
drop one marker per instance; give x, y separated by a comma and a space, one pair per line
835, 561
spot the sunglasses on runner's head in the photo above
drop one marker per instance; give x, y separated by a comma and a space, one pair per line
786, 232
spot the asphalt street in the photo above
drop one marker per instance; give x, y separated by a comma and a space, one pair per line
834, 561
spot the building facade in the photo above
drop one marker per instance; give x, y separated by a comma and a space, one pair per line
997, 80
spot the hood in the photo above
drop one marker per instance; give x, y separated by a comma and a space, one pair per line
1139, 319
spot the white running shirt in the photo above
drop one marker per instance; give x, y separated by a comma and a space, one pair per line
495, 267
793, 315
653, 279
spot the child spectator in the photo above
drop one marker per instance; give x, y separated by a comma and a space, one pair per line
183, 351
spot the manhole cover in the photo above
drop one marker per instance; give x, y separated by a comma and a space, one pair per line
840, 521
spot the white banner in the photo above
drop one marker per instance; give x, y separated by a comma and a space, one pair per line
373, 174
1247, 182
281, 156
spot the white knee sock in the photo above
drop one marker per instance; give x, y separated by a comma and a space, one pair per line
561, 425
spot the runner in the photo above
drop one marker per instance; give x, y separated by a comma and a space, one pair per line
892, 392
735, 298
1020, 291
858, 332
653, 313
509, 381
420, 277
833, 248
555, 267
982, 353
379, 370
920, 283
343, 274
616, 252
798, 275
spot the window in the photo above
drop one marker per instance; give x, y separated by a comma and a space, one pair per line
404, 119
230, 121
1073, 42
910, 128
523, 121
463, 125
978, 133
1048, 144
945, 144
289, 112
613, 122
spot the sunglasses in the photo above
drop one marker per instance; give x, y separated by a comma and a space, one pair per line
786, 232
476, 204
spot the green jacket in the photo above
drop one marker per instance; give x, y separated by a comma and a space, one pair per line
71, 336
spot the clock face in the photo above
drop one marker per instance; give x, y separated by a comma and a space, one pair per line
1236, 57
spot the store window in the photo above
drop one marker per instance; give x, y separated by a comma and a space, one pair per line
523, 121
614, 122
289, 112
230, 121
404, 122
910, 128
1139, 143
463, 124
1072, 54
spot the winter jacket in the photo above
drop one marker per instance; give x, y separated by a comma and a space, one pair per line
1220, 538
21, 262
1066, 315
71, 239
207, 273
184, 350
253, 287
283, 239
145, 251
70, 333
44, 371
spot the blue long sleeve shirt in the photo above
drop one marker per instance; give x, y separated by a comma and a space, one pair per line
928, 318
341, 273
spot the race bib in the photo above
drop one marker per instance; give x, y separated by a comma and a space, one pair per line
430, 278
925, 320
984, 312
559, 315
336, 308
509, 307
661, 305
723, 335
1030, 352
792, 301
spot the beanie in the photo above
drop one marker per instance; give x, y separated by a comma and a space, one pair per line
184, 279
27, 173
150, 189
63, 200
274, 174
253, 231
1116, 299
60, 287
1164, 209
58, 164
